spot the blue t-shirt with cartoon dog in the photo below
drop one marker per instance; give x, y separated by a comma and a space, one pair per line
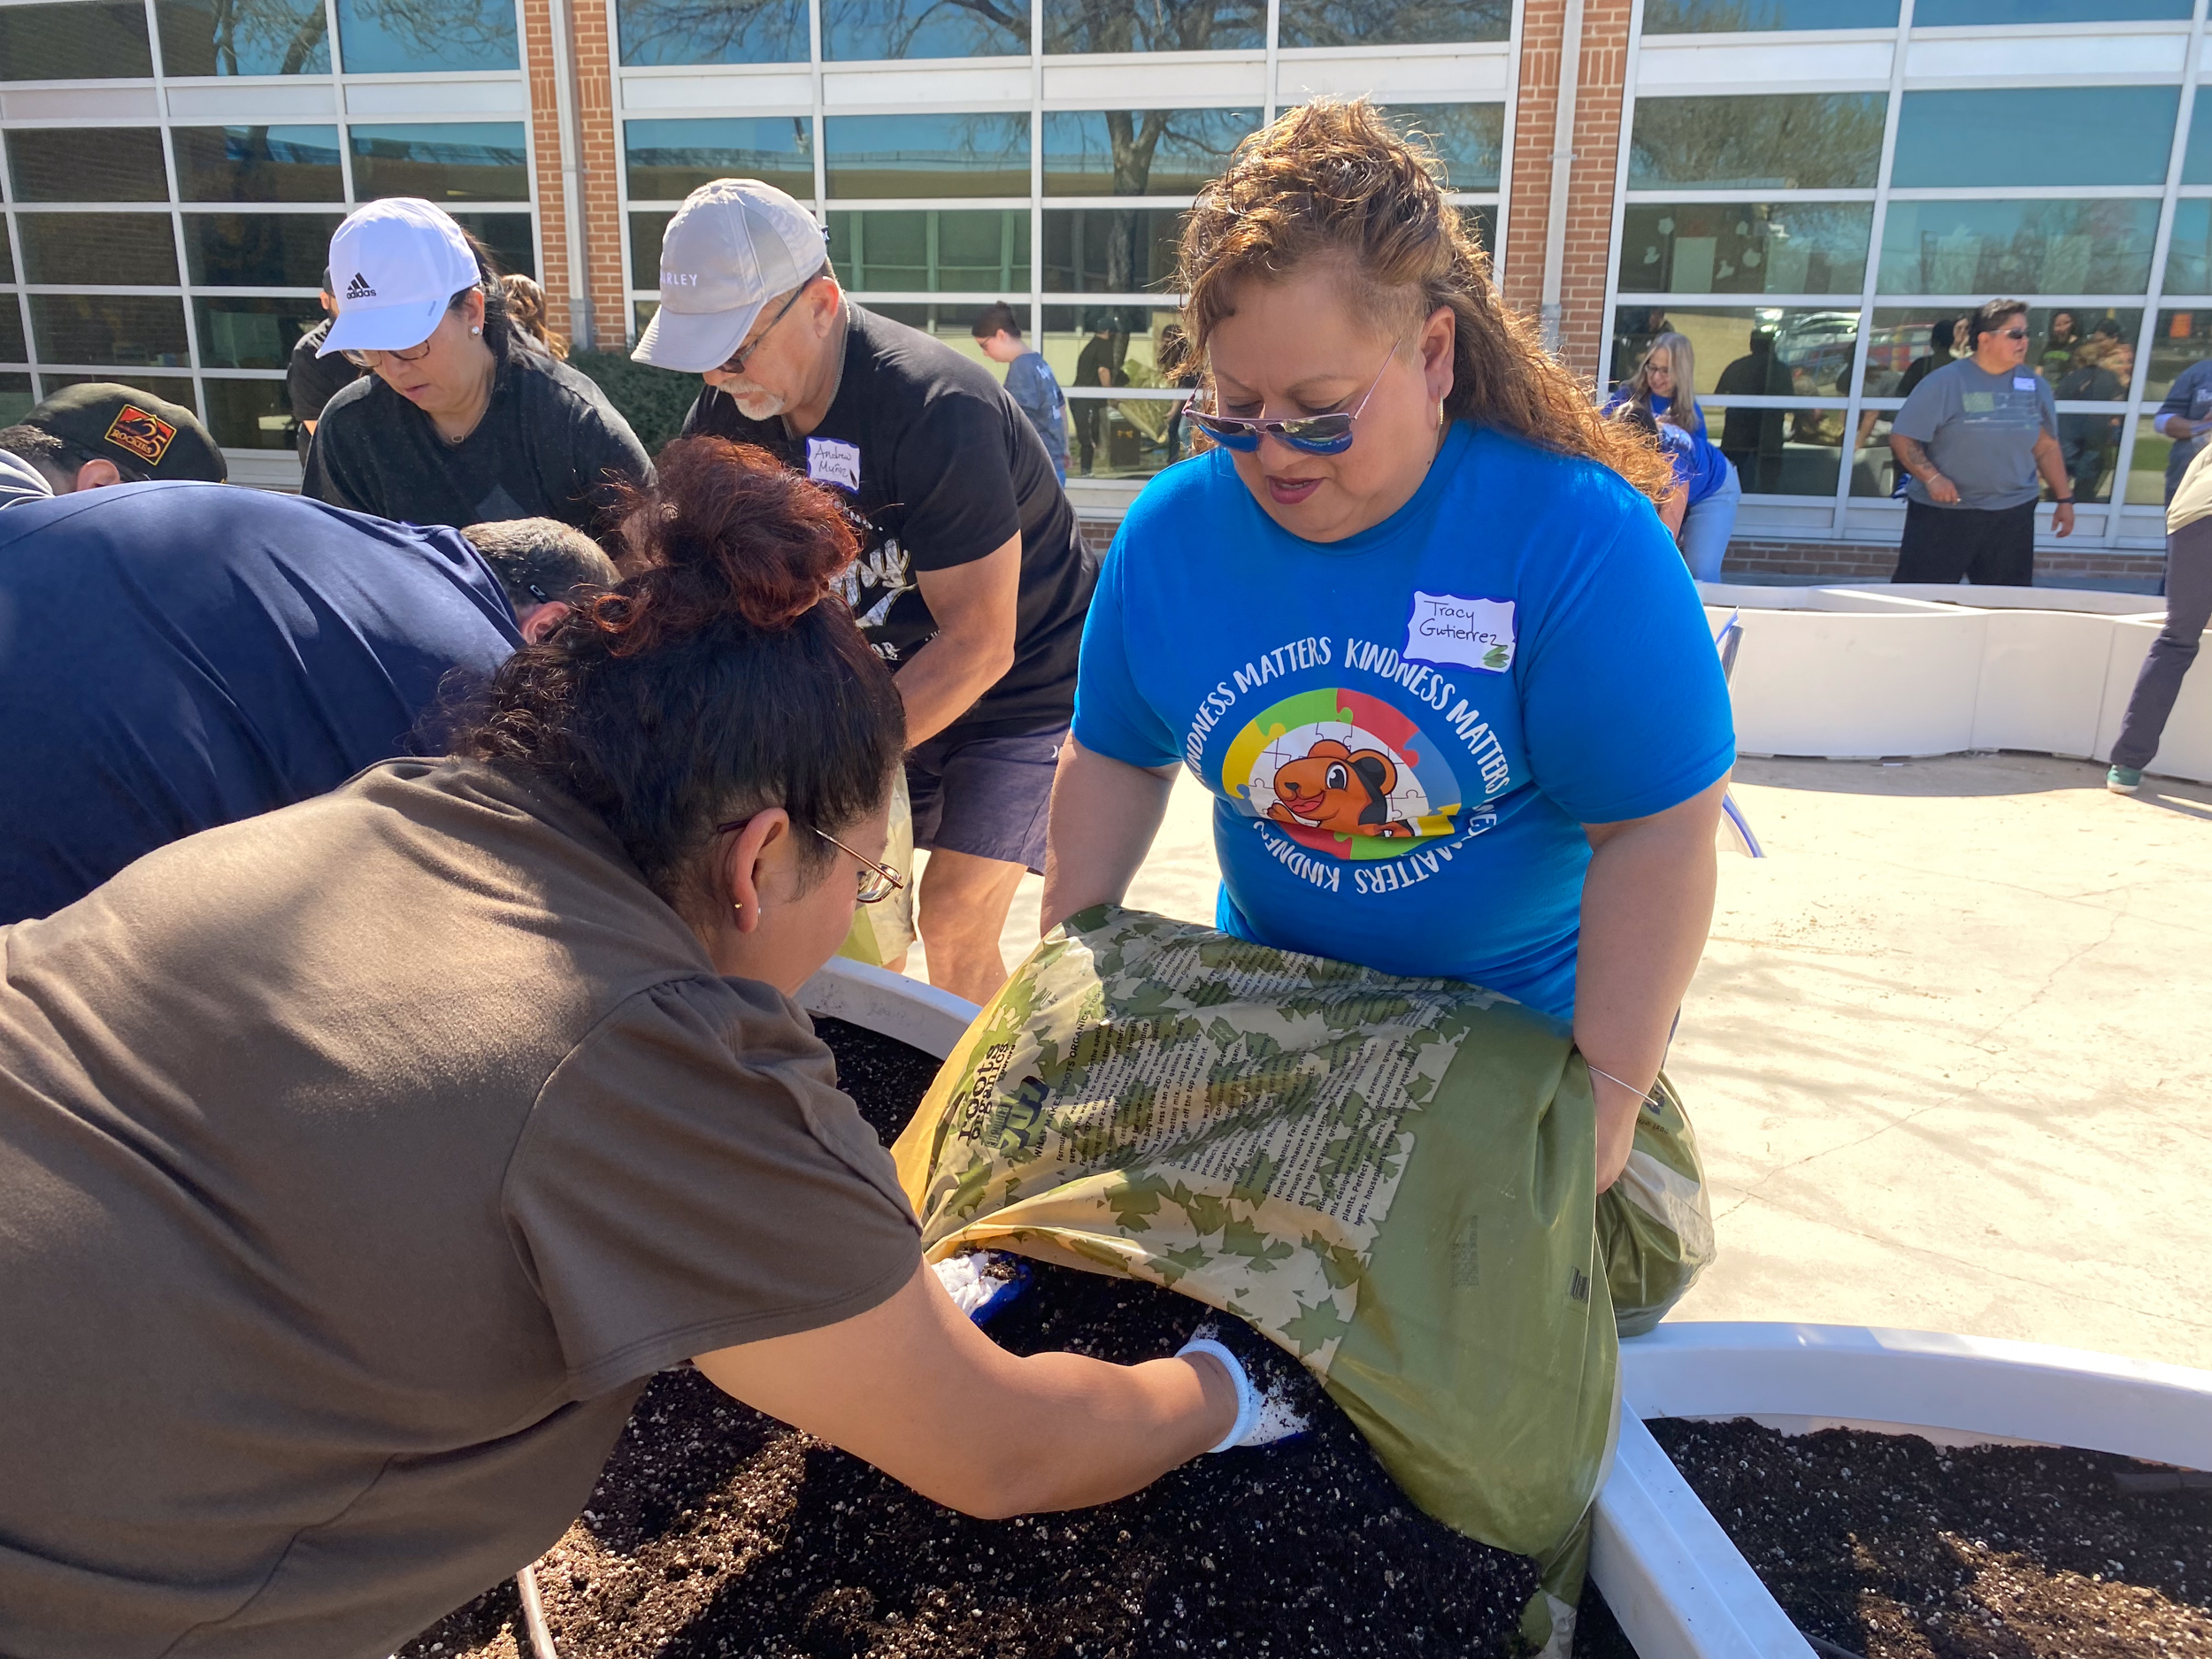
1405, 731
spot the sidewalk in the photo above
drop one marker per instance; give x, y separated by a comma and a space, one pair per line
1950, 1054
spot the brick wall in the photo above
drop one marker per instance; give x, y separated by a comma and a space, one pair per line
538, 61
602, 160
1862, 561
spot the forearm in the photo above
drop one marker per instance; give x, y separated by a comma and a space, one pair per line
2050, 461
1104, 816
942, 681
1912, 455
1647, 907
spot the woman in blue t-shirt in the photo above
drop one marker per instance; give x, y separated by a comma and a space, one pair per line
1664, 387
1414, 624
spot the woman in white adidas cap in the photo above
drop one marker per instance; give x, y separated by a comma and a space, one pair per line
461, 419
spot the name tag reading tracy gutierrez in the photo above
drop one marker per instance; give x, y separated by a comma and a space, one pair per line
834, 461
1454, 628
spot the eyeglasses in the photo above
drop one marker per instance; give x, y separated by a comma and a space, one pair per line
876, 882
743, 355
2010, 333
370, 360
1315, 434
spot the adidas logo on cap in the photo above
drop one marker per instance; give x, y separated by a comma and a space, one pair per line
359, 288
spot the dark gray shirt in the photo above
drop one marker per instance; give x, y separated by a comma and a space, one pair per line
1980, 431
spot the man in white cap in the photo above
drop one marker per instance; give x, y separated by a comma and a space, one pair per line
462, 418
976, 590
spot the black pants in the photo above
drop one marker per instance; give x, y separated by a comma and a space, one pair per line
2188, 609
1088, 412
1943, 544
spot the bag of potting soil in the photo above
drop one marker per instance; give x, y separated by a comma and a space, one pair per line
1392, 1179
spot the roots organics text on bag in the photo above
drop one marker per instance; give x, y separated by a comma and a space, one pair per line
1392, 1179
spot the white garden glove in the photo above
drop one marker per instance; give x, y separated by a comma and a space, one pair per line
1261, 1418
974, 1292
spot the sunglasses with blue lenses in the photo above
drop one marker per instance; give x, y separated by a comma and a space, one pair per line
1313, 434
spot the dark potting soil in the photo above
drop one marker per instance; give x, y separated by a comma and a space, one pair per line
1890, 1548
717, 1531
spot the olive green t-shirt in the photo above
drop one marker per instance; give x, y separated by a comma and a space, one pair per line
358, 1163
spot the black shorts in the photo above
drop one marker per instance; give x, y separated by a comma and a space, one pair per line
986, 796
1990, 547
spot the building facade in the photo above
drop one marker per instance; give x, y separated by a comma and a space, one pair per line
1802, 188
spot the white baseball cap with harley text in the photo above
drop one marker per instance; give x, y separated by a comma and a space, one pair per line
734, 245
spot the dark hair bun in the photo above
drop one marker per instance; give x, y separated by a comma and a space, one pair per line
728, 532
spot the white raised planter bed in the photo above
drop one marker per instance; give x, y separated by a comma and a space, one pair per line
1679, 1586
1887, 671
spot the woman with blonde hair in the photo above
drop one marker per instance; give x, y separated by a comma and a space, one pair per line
1702, 511
1413, 622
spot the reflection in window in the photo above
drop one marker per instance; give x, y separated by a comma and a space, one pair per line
863, 29
508, 237
645, 249
1719, 17
248, 414
1139, 26
73, 42
712, 31
2182, 338
252, 333
2147, 470
2196, 156
1792, 451
1110, 249
1099, 352
1744, 248
257, 250
12, 348
175, 388
7, 264
98, 247
258, 163
927, 155
243, 37
17, 399
1467, 138
464, 161
1404, 23
951, 325
2021, 247
2086, 352
78, 163
1751, 351
931, 252
391, 37
123, 329
668, 160
1934, 14
1788, 141
1139, 152
2009, 135
2189, 255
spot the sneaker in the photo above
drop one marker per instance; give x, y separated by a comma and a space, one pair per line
2123, 779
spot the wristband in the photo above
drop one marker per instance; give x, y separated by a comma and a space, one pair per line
1248, 1401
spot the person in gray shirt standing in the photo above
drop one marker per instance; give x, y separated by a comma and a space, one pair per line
2184, 418
1974, 435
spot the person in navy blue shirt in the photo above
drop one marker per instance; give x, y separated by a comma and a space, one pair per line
1415, 625
174, 656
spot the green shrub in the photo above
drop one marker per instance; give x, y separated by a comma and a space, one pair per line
653, 401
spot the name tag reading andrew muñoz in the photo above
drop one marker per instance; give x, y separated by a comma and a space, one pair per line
1455, 628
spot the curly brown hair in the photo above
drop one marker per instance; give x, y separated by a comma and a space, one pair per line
1332, 180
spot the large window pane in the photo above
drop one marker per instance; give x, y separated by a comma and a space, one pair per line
1402, 23
1467, 138
176, 388
1095, 350
125, 328
7, 261
252, 333
466, 161
258, 163
511, 238
1717, 17
1933, 14
668, 160
927, 155
931, 252
390, 37
2039, 246
73, 42
79, 164
1785, 140
268, 37
17, 399
1747, 351
2086, 352
1139, 152
645, 249
2147, 471
2196, 156
1139, 26
2181, 339
2189, 254
99, 248
861, 29
1780, 451
712, 31
1111, 251
2036, 135
249, 414
951, 325
11, 347
257, 250
1744, 248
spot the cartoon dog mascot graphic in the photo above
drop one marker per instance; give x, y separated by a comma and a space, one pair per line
1341, 789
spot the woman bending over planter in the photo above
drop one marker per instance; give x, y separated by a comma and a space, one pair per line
1414, 623
360, 1162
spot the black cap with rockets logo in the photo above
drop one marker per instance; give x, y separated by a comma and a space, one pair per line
144, 436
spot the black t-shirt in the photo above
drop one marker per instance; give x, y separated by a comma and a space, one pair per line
312, 382
931, 451
549, 446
